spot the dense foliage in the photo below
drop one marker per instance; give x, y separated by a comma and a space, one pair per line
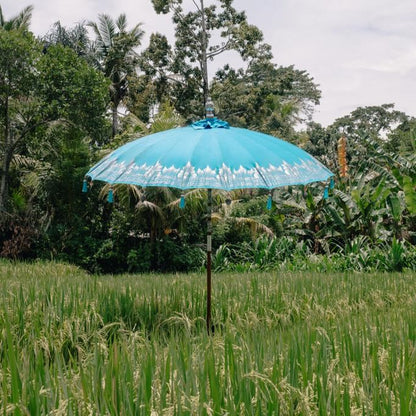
61, 98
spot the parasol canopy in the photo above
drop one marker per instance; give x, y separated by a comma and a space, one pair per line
209, 154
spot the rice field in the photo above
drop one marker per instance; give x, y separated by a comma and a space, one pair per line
284, 343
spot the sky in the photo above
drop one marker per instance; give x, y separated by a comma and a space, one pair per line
360, 52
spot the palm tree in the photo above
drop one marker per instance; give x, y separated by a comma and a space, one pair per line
115, 56
19, 22
75, 38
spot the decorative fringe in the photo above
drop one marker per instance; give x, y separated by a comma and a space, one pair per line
269, 201
332, 183
85, 186
182, 202
326, 192
110, 197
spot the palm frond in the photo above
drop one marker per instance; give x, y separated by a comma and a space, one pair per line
125, 192
195, 198
216, 217
137, 33
121, 22
105, 30
160, 194
150, 207
94, 28
23, 161
166, 119
255, 226
23, 19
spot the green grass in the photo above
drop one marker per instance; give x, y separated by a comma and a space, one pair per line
284, 344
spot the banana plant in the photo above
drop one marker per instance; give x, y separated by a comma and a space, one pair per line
408, 185
370, 203
361, 211
303, 210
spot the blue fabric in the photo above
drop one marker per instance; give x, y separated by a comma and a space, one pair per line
84, 186
110, 197
217, 158
269, 202
210, 123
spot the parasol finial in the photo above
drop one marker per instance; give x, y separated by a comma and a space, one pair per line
209, 108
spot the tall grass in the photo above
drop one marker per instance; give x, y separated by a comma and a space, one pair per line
284, 344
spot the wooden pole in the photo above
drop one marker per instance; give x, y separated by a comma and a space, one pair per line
209, 250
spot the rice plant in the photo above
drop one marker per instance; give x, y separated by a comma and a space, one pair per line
284, 343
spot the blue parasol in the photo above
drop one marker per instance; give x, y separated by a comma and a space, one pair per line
209, 154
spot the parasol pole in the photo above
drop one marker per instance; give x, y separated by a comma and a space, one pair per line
209, 251
209, 114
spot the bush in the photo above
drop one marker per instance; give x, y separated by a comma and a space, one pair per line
288, 254
140, 260
173, 256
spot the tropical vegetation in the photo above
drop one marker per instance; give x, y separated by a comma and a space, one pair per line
69, 97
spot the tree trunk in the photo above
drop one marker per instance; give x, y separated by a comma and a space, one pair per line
4, 172
114, 130
4, 179
204, 63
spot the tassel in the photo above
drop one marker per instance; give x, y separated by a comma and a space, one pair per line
182, 202
326, 193
110, 197
332, 183
85, 186
269, 201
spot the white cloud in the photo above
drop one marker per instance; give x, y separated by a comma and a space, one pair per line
361, 52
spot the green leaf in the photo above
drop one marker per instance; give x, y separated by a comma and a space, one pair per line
395, 208
409, 186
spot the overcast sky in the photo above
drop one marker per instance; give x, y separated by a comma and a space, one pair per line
360, 52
